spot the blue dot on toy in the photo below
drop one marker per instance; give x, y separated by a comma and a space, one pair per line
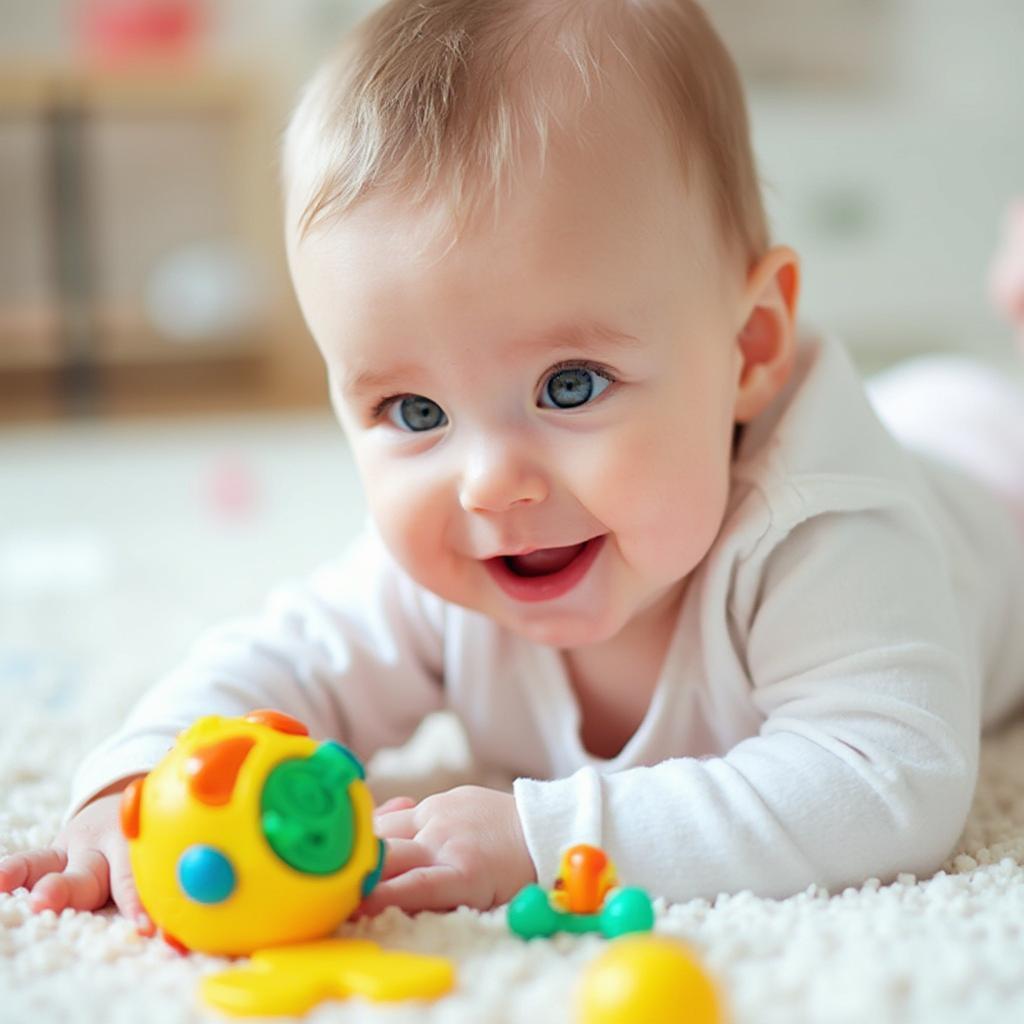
371, 880
205, 874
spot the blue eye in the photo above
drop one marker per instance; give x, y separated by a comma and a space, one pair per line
416, 414
573, 386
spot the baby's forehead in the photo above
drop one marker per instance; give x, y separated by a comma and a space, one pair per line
590, 205
607, 161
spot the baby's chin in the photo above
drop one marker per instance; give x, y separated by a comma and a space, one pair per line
558, 629
547, 623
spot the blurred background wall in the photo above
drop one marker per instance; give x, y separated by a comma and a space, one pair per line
141, 267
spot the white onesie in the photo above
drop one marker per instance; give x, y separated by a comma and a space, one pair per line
817, 717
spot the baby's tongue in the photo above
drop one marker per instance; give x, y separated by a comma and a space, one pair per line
547, 560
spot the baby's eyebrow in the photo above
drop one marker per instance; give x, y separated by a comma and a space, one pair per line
587, 336
584, 336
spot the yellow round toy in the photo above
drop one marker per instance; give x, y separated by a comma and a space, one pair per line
251, 834
646, 979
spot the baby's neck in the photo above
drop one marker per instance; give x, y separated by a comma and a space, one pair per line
614, 681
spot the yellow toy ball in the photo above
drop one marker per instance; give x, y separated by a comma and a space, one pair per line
251, 834
646, 979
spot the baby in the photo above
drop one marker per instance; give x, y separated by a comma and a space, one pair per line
653, 547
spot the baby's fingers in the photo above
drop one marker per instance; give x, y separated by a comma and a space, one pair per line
25, 869
431, 887
404, 855
397, 824
396, 803
84, 884
123, 891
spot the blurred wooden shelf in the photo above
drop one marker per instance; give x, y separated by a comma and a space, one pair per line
37, 87
29, 337
108, 170
238, 382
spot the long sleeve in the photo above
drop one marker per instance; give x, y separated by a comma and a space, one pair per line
866, 759
354, 651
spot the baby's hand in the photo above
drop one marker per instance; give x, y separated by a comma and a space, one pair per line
86, 866
464, 847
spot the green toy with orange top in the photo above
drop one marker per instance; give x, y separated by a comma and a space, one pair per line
586, 898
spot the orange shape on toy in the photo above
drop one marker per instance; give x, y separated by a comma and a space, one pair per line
584, 880
213, 770
131, 799
278, 721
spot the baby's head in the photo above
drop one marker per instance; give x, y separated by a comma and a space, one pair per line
528, 239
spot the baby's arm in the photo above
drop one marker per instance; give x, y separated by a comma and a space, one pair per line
865, 764
354, 652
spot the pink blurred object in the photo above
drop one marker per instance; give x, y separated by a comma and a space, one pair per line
1006, 281
120, 30
232, 489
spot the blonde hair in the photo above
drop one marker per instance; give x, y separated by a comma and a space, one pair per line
428, 96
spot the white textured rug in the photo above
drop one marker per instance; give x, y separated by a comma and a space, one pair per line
118, 543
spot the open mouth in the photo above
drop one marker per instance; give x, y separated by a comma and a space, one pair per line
546, 573
543, 562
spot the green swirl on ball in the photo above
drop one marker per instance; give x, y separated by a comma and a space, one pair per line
306, 812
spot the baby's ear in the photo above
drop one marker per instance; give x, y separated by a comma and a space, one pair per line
767, 339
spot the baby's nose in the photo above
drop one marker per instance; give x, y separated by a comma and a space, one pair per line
496, 479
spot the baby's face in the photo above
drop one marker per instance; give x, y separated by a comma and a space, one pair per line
569, 375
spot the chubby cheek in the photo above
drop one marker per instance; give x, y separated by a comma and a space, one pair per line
664, 504
411, 515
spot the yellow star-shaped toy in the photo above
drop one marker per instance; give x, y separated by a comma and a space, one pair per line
289, 980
